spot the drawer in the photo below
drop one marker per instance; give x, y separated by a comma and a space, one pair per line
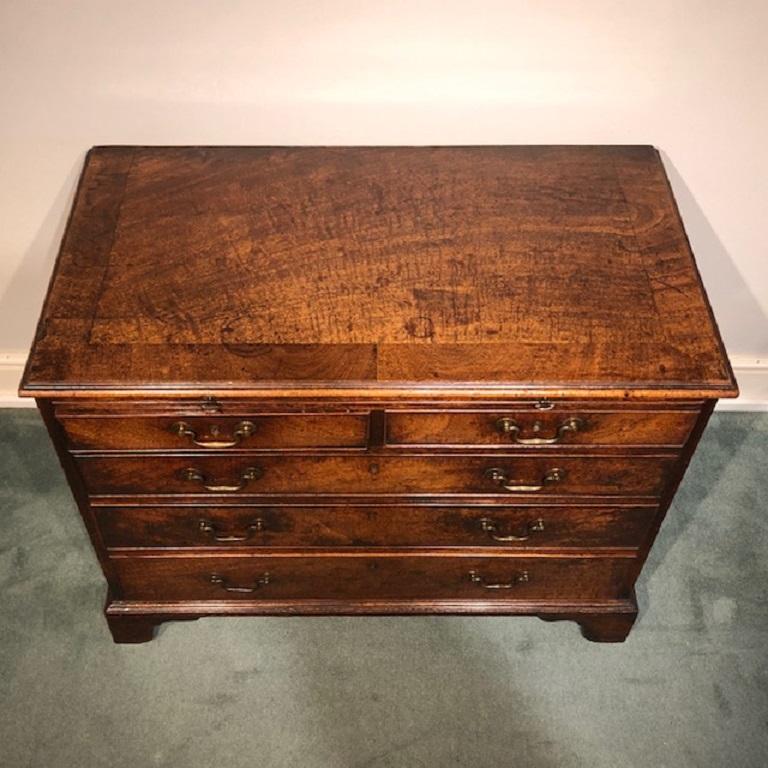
180, 432
575, 425
521, 527
282, 577
505, 475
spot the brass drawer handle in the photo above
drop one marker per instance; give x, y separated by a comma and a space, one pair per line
220, 581
242, 430
198, 476
491, 527
498, 476
209, 529
511, 428
518, 578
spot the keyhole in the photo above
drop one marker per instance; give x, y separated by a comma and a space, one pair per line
211, 404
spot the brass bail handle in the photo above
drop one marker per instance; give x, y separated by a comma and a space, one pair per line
210, 529
198, 476
500, 478
516, 580
491, 527
241, 431
258, 583
508, 426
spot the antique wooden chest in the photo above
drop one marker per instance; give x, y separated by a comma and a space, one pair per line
375, 380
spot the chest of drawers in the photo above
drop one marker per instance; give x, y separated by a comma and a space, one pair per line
374, 380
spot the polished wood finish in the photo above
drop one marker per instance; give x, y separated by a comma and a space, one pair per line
613, 627
302, 381
274, 431
270, 526
132, 629
414, 476
604, 621
595, 426
551, 269
356, 576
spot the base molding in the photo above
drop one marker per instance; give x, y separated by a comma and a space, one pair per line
604, 622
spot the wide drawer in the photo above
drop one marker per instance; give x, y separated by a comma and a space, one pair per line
360, 577
575, 425
506, 475
181, 432
514, 528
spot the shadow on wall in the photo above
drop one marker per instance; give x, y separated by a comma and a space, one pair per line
736, 308
20, 303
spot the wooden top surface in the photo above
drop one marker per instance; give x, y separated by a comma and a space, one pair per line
524, 270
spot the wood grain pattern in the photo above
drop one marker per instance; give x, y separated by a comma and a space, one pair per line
269, 527
372, 313
99, 430
559, 268
266, 431
603, 621
414, 476
596, 428
364, 576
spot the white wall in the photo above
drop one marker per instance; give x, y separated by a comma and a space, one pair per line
689, 76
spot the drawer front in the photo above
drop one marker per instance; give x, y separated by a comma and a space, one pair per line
370, 577
106, 433
535, 429
514, 528
504, 475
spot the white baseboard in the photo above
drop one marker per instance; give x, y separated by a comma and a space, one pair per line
751, 373
12, 363
752, 376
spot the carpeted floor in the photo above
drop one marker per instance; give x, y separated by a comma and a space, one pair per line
689, 687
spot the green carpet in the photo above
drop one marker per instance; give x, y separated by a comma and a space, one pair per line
689, 687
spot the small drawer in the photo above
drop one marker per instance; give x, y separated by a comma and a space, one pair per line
357, 577
215, 433
559, 427
257, 475
329, 527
